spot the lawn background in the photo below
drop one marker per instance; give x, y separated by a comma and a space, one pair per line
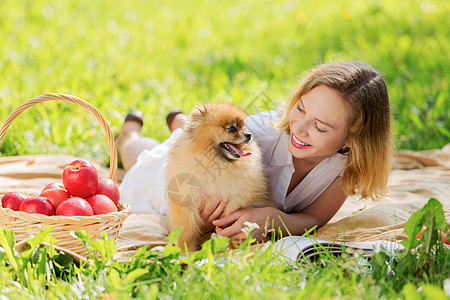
156, 55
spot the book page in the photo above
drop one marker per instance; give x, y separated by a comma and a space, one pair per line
295, 248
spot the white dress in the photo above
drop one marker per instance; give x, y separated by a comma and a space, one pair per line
143, 186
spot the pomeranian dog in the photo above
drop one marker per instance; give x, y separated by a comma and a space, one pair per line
215, 156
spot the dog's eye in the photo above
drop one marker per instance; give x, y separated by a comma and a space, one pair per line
232, 129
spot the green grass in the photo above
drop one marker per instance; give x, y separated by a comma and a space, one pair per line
156, 55
417, 273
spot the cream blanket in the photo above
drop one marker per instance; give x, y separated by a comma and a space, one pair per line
415, 178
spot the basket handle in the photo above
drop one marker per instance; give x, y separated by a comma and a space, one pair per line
75, 100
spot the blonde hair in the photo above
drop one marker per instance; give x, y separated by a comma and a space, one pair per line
369, 127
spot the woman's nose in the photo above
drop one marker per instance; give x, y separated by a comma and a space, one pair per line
300, 126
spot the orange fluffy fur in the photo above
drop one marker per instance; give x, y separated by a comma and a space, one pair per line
198, 156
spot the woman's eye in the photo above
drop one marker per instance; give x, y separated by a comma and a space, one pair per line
318, 128
232, 129
300, 109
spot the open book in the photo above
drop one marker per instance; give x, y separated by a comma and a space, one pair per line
303, 249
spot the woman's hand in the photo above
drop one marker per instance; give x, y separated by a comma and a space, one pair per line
316, 214
231, 225
211, 209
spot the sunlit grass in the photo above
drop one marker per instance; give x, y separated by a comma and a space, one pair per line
156, 55
153, 56
217, 273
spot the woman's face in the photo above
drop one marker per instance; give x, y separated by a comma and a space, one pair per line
318, 123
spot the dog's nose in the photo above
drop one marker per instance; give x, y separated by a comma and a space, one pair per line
248, 136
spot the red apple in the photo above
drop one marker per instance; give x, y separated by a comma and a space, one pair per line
80, 178
74, 206
107, 187
55, 193
445, 240
101, 204
54, 185
37, 205
13, 200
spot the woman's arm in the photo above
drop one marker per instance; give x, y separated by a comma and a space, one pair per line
316, 214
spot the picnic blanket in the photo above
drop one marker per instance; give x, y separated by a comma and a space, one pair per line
416, 177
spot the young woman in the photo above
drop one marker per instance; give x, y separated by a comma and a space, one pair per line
332, 140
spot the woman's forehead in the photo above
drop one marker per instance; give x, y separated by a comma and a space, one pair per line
326, 106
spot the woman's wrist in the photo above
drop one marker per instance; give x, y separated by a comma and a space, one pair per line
283, 223
275, 221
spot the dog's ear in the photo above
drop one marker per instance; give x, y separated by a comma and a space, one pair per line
196, 116
198, 113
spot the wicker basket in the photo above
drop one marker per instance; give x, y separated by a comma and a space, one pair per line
22, 223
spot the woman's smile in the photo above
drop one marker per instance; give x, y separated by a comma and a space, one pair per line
297, 143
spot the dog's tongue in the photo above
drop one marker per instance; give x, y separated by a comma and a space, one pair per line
239, 151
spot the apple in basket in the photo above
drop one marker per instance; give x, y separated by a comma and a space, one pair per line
13, 200
74, 206
107, 186
37, 205
55, 193
80, 178
101, 204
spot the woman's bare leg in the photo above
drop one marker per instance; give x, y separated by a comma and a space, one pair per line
178, 121
130, 142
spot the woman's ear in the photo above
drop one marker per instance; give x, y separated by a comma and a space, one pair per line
345, 148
